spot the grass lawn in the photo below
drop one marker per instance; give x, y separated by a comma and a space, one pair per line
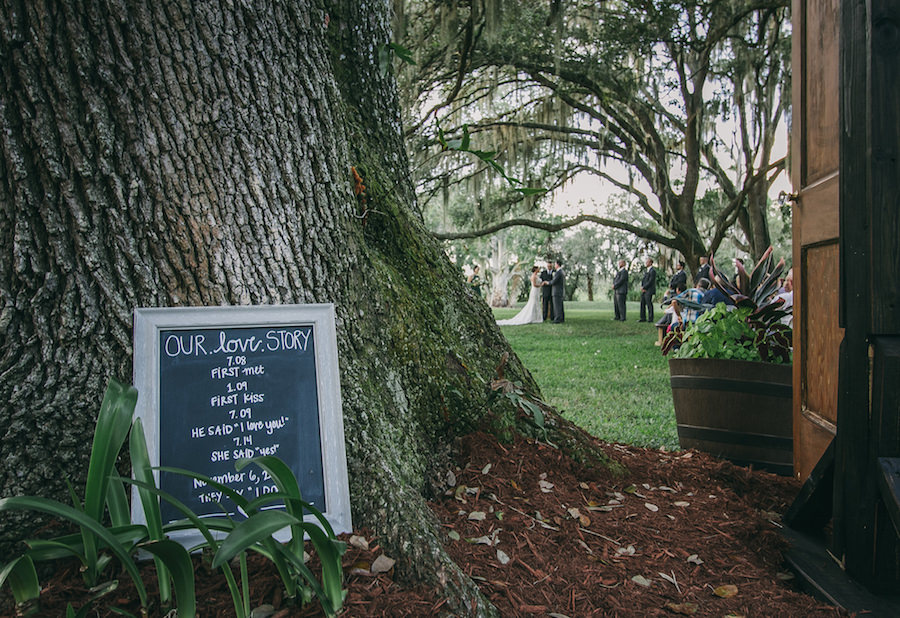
604, 375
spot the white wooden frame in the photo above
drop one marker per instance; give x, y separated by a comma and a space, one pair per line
148, 322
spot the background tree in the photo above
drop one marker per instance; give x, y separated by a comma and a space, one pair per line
651, 97
175, 153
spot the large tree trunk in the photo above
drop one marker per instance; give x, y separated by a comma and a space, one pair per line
168, 153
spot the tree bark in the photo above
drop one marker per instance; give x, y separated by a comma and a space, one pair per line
175, 153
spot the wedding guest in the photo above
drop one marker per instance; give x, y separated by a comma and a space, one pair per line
788, 297
714, 295
703, 271
648, 289
679, 278
684, 314
620, 291
474, 280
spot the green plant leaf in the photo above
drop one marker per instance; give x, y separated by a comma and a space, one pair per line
117, 504
403, 53
113, 423
204, 526
177, 562
142, 470
72, 544
91, 528
22, 578
250, 532
330, 551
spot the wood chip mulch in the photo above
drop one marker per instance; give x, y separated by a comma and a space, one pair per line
681, 534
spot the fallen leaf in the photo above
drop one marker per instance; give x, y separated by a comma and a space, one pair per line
545, 486
359, 542
515, 485
651, 507
584, 485
460, 493
477, 516
726, 591
450, 479
664, 488
694, 559
499, 515
263, 611
640, 580
453, 534
625, 551
686, 609
671, 579
630, 489
574, 512
486, 469
382, 564
361, 568
493, 539
502, 558
681, 503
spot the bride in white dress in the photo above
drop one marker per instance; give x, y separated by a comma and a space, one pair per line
531, 312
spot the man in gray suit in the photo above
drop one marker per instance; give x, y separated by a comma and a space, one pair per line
557, 290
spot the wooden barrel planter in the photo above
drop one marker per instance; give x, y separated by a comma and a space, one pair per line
737, 410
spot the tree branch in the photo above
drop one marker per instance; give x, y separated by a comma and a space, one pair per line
558, 227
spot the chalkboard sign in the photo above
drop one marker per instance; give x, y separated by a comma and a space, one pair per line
220, 384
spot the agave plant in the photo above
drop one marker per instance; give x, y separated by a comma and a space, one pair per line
751, 329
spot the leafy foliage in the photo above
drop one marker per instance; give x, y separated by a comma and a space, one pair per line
105, 501
679, 93
750, 329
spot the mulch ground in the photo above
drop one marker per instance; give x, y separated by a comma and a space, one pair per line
680, 534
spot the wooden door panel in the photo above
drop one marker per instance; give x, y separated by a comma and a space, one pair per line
817, 314
823, 336
820, 82
815, 176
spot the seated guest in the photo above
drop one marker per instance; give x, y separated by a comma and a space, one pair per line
714, 295
683, 313
788, 297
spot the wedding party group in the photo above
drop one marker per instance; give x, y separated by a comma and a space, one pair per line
545, 298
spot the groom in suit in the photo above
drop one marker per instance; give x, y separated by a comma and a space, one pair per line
557, 285
546, 299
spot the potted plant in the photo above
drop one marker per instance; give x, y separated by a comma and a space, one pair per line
731, 374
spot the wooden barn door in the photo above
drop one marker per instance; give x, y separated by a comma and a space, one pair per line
815, 178
846, 177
